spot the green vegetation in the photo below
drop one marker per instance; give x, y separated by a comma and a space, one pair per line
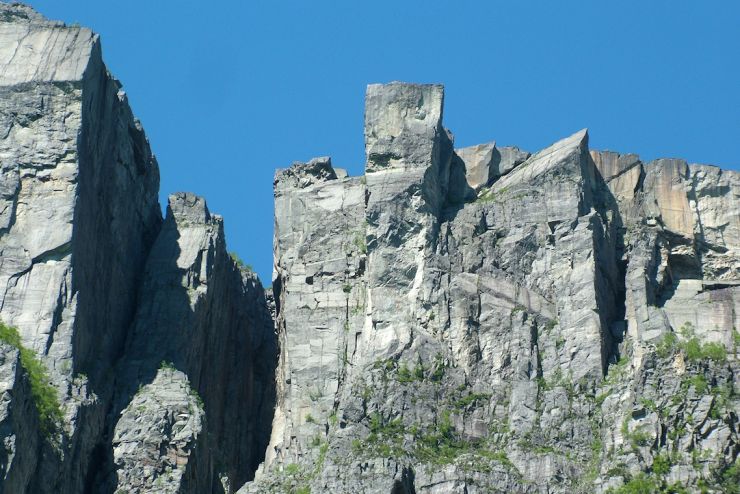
404, 374
642, 484
596, 446
526, 444
730, 480
698, 382
518, 308
617, 371
437, 444
559, 342
167, 365
661, 464
649, 404
310, 419
360, 242
239, 263
439, 368
197, 397
488, 195
400, 372
648, 484
639, 438
667, 345
472, 398
44, 395
692, 348
600, 398
440, 445
714, 351
558, 380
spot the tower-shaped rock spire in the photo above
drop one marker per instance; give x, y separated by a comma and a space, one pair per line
408, 153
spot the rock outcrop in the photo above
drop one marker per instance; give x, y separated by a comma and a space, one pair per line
486, 320
97, 291
453, 321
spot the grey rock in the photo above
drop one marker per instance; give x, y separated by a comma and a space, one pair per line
479, 320
156, 435
509, 342
205, 316
306, 174
321, 299
478, 164
481, 165
85, 283
78, 186
506, 158
18, 422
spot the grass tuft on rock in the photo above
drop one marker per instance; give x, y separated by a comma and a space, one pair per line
44, 395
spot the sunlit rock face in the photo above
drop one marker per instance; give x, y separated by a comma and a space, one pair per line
469, 320
490, 320
81, 239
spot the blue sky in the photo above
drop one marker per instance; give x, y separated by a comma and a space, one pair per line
228, 91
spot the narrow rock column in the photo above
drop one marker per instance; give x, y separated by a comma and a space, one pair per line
408, 155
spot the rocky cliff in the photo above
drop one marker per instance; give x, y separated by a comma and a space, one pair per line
136, 353
453, 321
489, 320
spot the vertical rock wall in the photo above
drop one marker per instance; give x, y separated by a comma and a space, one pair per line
80, 213
99, 305
513, 336
198, 367
321, 297
479, 320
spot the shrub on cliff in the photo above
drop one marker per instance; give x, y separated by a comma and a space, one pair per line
44, 394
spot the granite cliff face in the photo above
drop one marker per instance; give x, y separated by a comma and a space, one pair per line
454, 321
147, 352
490, 320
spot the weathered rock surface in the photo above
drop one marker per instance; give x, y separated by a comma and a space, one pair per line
202, 314
156, 435
502, 322
79, 190
455, 321
99, 304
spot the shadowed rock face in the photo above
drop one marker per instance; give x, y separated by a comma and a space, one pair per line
455, 321
486, 320
200, 357
101, 291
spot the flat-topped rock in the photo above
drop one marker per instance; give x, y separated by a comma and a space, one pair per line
401, 122
34, 49
186, 206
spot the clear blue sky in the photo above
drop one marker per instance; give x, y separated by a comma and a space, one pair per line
228, 91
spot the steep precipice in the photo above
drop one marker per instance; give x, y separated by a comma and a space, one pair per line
137, 354
490, 320
467, 320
